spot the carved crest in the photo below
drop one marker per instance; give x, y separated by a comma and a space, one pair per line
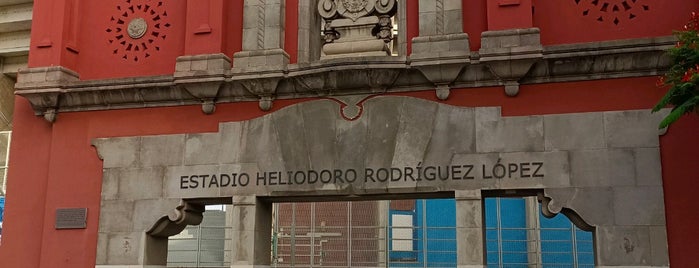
354, 9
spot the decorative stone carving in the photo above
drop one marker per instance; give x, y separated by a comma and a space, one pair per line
185, 214
357, 27
137, 28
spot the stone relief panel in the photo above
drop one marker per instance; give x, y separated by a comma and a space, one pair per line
357, 27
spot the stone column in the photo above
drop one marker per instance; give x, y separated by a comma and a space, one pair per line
442, 49
263, 61
470, 236
251, 231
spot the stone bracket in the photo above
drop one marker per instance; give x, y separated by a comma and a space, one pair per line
185, 214
202, 76
441, 59
510, 54
43, 87
550, 208
264, 89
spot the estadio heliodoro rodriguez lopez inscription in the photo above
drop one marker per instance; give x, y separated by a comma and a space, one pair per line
480, 171
385, 175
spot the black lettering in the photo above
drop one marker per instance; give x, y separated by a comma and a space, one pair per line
203, 180
408, 173
325, 179
430, 176
486, 176
444, 176
353, 177
511, 168
338, 176
234, 179
193, 183
273, 177
523, 170
456, 172
469, 168
498, 167
385, 174
183, 180
536, 171
369, 175
288, 178
213, 181
296, 177
312, 176
396, 174
262, 178
244, 179
226, 178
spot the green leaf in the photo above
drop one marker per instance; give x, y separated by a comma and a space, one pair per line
678, 111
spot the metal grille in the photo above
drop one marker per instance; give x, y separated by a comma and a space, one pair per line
541, 243
358, 234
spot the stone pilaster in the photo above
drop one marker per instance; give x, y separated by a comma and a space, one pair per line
252, 226
442, 49
470, 237
263, 55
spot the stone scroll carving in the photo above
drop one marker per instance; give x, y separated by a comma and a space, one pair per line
173, 223
357, 27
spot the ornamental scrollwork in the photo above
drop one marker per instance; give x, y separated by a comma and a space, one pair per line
354, 10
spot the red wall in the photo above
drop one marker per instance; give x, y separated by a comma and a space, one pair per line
59, 157
53, 165
567, 22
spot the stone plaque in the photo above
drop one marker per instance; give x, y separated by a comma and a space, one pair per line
71, 218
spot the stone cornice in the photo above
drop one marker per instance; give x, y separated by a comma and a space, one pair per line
56, 89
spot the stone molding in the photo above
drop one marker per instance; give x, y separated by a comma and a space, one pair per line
57, 89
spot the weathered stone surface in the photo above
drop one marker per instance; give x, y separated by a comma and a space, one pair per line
116, 216
159, 150
623, 246
145, 183
454, 132
598, 168
110, 183
202, 149
293, 144
231, 145
648, 167
658, 243
123, 152
639, 205
574, 131
508, 134
124, 248
638, 128
319, 129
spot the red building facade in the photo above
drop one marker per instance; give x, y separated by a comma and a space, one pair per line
197, 64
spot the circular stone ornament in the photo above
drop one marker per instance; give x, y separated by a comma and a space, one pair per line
137, 28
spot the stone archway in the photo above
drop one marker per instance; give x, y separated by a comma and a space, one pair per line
602, 165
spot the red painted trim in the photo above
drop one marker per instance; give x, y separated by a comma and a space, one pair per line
291, 37
412, 23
